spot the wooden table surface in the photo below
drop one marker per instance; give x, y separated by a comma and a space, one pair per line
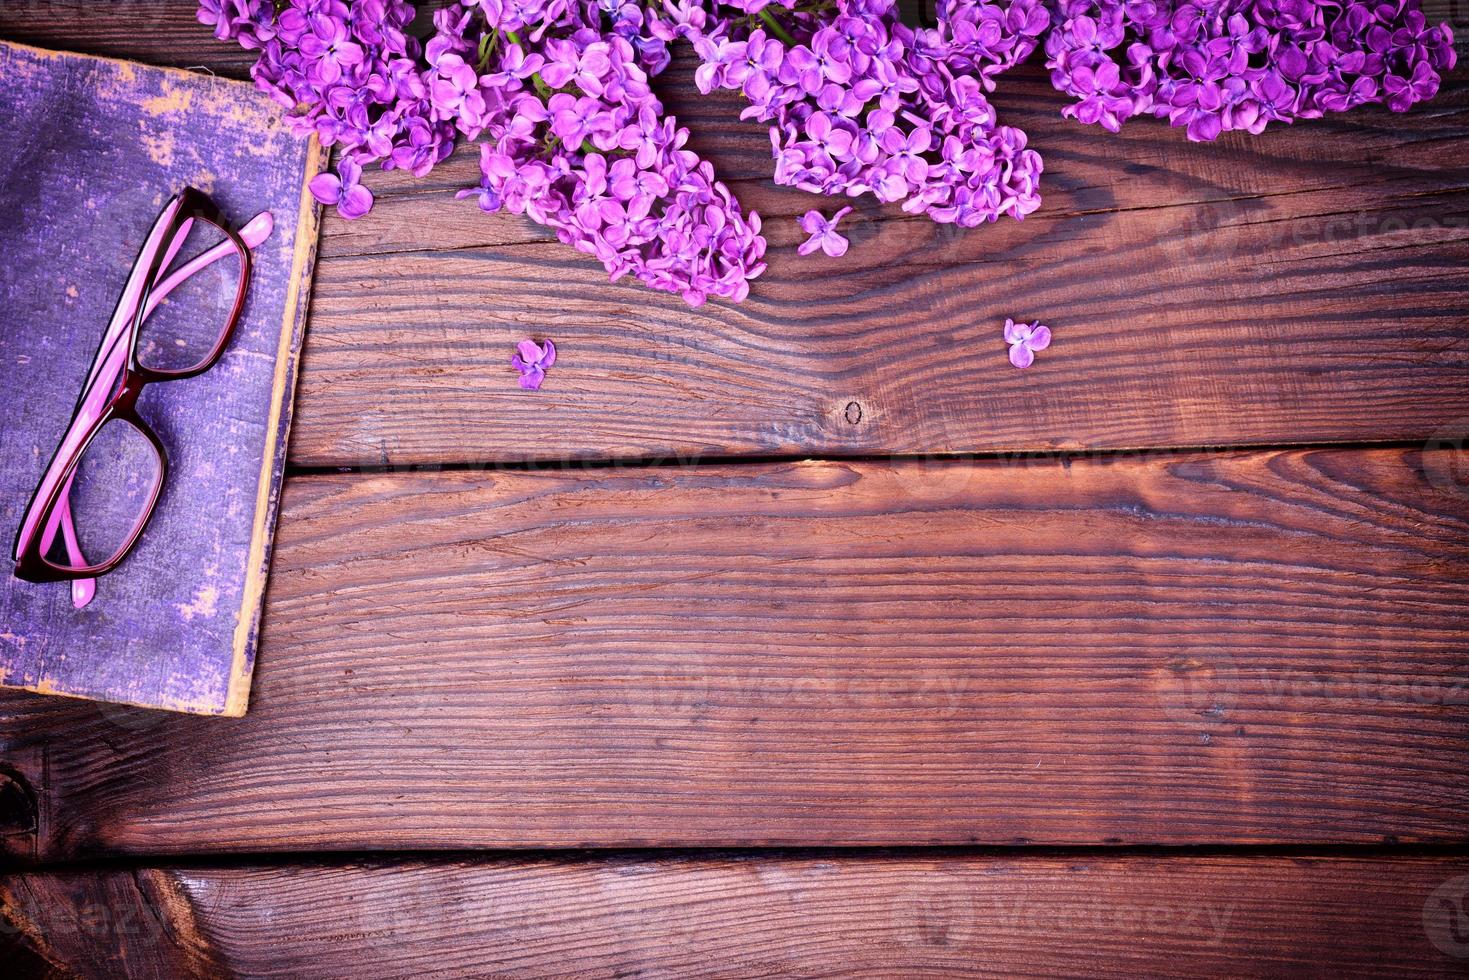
807, 636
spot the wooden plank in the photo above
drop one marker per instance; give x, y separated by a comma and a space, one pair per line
1305, 285
750, 915
1302, 286
100, 924
1228, 647
1084, 175
1262, 279
896, 349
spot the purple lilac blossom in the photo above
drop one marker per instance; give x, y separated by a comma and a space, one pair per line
1218, 65
1024, 340
584, 147
859, 102
532, 360
488, 198
557, 94
250, 22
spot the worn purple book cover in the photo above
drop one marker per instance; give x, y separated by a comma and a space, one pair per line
93, 149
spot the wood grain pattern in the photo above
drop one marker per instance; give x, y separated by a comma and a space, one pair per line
1305, 286
1207, 648
119, 923
1231, 647
1302, 286
757, 916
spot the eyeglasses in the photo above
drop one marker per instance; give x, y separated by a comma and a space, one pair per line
173, 321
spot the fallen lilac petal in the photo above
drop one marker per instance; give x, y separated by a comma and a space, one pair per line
1021, 356
326, 188
833, 244
356, 202
812, 222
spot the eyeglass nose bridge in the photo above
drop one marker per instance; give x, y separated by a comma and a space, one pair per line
125, 401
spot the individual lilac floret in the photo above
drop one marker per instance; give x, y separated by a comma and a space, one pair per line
489, 198
1024, 340
344, 190
824, 234
532, 360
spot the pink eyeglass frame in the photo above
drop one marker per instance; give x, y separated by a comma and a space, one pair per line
115, 381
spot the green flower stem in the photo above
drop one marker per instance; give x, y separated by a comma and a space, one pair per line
775, 27
487, 44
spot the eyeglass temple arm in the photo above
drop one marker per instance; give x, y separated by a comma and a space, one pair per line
82, 589
254, 234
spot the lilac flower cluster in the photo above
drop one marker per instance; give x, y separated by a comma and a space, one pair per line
251, 22
860, 102
591, 154
1218, 65
556, 91
348, 73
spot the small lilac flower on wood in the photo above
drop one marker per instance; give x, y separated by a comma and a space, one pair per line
1024, 340
824, 234
532, 360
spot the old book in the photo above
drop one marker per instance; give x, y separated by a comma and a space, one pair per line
93, 149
